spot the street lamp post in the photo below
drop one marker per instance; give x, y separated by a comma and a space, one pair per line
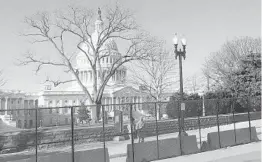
181, 53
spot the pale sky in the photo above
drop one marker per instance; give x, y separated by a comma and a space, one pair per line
207, 24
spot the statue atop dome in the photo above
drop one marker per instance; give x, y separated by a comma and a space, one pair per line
99, 13
99, 22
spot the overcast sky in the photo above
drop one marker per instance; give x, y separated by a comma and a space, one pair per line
207, 24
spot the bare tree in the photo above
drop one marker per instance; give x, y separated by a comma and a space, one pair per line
155, 75
220, 65
60, 27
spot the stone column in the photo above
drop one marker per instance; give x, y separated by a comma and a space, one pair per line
86, 76
114, 102
1, 106
6, 105
81, 75
117, 102
110, 102
21, 104
62, 105
90, 75
29, 107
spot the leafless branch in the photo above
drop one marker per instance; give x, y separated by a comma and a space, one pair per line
58, 82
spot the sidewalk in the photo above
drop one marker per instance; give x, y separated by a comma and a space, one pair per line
243, 153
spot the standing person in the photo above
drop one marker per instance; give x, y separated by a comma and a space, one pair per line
129, 128
139, 127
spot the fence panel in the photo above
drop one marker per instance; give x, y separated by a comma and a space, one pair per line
41, 132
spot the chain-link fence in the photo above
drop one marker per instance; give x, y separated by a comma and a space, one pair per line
126, 131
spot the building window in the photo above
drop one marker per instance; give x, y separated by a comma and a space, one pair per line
106, 59
18, 101
12, 102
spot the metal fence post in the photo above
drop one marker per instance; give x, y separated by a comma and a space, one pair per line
179, 125
132, 137
199, 127
249, 123
218, 129
234, 121
72, 134
104, 141
36, 134
156, 131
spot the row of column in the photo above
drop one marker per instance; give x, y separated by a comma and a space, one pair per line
87, 76
121, 100
61, 103
119, 75
8, 105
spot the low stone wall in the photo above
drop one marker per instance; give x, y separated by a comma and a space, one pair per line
171, 126
17, 141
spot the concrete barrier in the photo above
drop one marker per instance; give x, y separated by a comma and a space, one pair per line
143, 151
92, 155
169, 148
228, 138
60, 157
243, 135
189, 145
147, 151
80, 156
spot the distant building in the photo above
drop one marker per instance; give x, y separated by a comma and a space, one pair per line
12, 105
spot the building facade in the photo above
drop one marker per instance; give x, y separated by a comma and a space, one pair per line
17, 108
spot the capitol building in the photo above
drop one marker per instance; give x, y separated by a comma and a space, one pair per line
115, 92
